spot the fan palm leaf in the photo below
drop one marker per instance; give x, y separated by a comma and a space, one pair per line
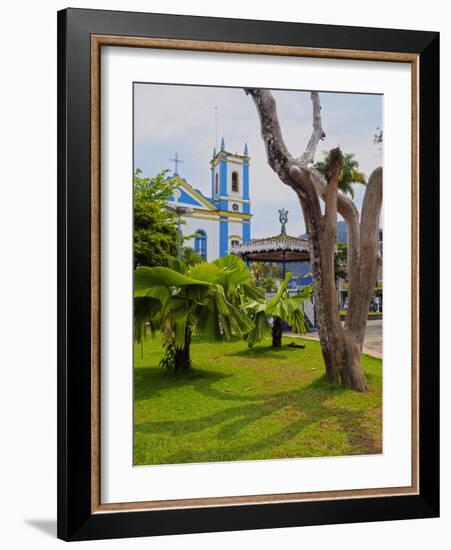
282, 306
194, 299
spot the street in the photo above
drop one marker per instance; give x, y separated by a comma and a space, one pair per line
373, 338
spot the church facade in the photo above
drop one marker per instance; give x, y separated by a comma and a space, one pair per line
223, 219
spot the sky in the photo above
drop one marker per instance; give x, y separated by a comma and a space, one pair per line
171, 119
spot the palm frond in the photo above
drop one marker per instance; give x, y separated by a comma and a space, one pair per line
146, 311
204, 272
148, 277
261, 328
177, 265
272, 303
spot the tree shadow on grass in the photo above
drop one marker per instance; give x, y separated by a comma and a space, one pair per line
308, 405
264, 351
150, 382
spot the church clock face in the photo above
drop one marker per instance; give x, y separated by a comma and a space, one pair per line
235, 207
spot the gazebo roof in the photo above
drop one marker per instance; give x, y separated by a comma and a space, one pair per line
281, 248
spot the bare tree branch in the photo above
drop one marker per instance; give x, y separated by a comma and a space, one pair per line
276, 151
353, 247
317, 133
348, 210
331, 194
304, 185
369, 261
372, 203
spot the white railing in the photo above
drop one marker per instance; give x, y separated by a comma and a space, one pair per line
271, 244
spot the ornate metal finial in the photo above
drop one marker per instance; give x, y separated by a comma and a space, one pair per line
283, 218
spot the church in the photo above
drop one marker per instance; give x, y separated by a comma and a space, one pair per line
223, 219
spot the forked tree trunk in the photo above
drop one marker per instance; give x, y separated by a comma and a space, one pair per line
276, 332
341, 345
182, 357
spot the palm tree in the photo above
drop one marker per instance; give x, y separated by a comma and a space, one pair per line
268, 316
236, 279
349, 172
181, 301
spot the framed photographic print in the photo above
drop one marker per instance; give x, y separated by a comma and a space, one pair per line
248, 274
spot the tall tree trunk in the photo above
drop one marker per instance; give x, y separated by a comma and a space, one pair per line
182, 357
340, 348
341, 345
276, 332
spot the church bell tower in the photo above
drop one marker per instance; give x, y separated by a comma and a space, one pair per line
230, 194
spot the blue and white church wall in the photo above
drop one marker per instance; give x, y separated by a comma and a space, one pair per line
202, 217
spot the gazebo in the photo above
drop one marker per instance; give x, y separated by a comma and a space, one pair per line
281, 248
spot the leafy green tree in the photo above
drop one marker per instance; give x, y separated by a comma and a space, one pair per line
190, 257
378, 138
155, 228
268, 316
181, 301
349, 172
260, 270
268, 283
158, 189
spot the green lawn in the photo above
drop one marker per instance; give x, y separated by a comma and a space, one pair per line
238, 403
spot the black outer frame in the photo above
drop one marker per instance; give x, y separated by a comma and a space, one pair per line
75, 520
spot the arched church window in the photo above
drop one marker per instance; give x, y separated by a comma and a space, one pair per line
235, 242
200, 243
216, 184
235, 183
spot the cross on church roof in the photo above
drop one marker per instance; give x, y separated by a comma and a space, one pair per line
176, 162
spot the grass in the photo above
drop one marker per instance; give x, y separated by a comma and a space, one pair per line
238, 403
